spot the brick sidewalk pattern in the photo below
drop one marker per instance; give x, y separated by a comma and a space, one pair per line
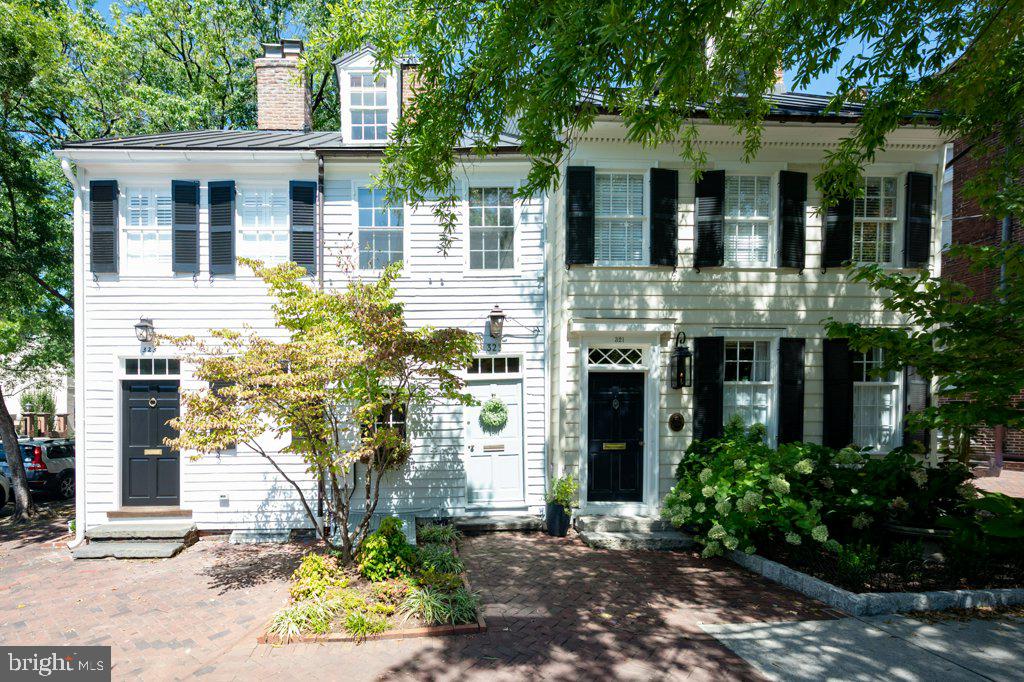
555, 609
1007, 482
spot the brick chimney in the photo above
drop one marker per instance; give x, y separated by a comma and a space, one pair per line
282, 90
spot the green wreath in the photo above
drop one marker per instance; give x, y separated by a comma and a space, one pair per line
494, 414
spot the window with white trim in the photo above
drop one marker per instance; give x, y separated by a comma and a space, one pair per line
380, 230
148, 230
368, 106
152, 366
619, 218
876, 413
494, 365
748, 219
874, 221
264, 226
748, 389
491, 228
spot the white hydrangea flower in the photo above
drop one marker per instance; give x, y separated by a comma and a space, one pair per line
717, 532
749, 549
731, 543
920, 477
705, 475
779, 485
711, 549
723, 507
804, 466
708, 491
685, 495
899, 504
861, 521
793, 538
819, 533
700, 508
740, 464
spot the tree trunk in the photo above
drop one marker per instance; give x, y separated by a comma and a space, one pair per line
23, 507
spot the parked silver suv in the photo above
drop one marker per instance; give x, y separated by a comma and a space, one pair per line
50, 465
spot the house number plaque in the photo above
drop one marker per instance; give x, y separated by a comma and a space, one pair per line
676, 421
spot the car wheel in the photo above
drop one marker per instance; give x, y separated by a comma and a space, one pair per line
66, 487
3, 498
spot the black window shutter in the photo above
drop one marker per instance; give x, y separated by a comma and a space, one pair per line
709, 195
579, 215
103, 220
708, 375
838, 394
917, 229
838, 247
917, 397
303, 222
664, 216
792, 218
185, 225
222, 227
791, 390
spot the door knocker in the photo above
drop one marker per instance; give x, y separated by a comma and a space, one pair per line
615, 404
152, 402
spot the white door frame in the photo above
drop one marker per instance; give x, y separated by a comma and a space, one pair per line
520, 502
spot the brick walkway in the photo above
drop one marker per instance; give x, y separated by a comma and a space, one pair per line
555, 609
1007, 482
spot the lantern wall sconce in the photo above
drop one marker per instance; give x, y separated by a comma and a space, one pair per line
144, 330
496, 318
681, 364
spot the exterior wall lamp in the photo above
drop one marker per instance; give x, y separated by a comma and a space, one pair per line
681, 364
144, 330
496, 319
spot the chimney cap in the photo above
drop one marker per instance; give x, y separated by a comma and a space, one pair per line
286, 48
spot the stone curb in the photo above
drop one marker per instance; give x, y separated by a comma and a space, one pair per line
875, 603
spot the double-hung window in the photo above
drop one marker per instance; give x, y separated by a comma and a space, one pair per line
264, 230
874, 221
380, 230
876, 411
148, 230
619, 219
748, 386
491, 228
368, 107
748, 220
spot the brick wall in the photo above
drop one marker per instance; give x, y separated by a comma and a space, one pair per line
282, 95
410, 83
971, 226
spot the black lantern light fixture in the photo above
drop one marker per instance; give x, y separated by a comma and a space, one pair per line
144, 330
681, 364
497, 321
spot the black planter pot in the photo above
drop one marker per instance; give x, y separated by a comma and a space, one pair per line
558, 520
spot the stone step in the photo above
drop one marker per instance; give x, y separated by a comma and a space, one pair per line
181, 532
471, 525
127, 549
661, 540
620, 524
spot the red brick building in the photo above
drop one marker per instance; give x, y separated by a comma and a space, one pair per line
970, 225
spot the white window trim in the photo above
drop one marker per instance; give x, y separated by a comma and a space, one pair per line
248, 186
499, 376
517, 212
345, 91
772, 221
898, 406
645, 261
147, 268
364, 183
772, 336
897, 223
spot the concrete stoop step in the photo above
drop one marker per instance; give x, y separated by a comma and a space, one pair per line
660, 540
619, 524
136, 541
472, 525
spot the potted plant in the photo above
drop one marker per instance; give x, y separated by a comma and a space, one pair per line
562, 496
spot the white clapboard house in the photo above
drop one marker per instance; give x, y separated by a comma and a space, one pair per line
599, 283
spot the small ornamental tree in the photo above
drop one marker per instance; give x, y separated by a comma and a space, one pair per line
329, 391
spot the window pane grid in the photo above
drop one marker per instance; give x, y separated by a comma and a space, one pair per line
494, 365
874, 216
747, 218
748, 384
368, 106
147, 232
491, 228
263, 233
619, 217
875, 403
615, 356
380, 230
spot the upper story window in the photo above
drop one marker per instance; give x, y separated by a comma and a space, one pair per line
380, 230
876, 413
148, 229
491, 228
748, 388
748, 219
368, 106
264, 231
874, 221
619, 218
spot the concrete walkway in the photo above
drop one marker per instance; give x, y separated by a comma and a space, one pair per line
880, 648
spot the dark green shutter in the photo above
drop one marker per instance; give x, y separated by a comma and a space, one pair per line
792, 219
916, 399
838, 247
791, 390
185, 226
303, 224
708, 376
222, 227
664, 216
579, 215
837, 413
709, 196
917, 229
103, 221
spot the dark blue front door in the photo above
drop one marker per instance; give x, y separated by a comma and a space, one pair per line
615, 430
150, 472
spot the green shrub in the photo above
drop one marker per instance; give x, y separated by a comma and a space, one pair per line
987, 531
386, 553
440, 558
564, 491
907, 555
313, 616
440, 533
317, 576
362, 625
435, 607
390, 591
439, 580
857, 565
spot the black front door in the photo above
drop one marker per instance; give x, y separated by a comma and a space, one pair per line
615, 430
150, 474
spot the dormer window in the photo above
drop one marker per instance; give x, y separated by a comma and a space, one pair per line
368, 101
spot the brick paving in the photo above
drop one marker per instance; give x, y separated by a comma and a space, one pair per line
1008, 482
554, 608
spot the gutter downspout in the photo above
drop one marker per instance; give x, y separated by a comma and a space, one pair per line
79, 319
1000, 431
320, 232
